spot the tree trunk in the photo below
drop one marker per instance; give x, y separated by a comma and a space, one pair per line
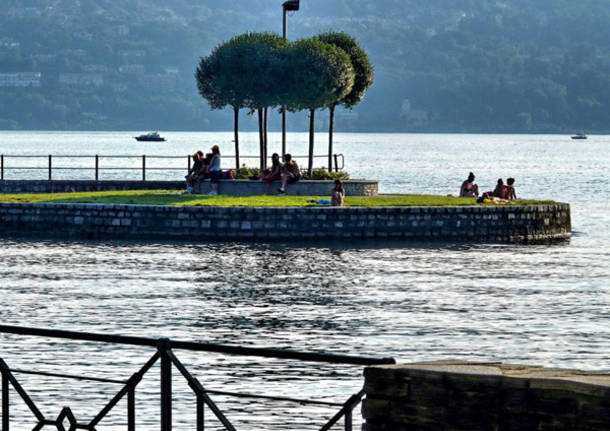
260, 138
236, 131
265, 148
331, 126
311, 136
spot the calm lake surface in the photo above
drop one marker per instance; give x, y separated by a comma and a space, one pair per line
543, 304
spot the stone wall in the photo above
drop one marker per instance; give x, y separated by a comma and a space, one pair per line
226, 187
461, 396
472, 224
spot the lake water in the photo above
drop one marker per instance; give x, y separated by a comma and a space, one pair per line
541, 304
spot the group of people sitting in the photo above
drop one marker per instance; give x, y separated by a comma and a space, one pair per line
502, 192
208, 167
203, 168
287, 172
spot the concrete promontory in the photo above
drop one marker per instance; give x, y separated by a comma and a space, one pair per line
227, 187
487, 224
462, 396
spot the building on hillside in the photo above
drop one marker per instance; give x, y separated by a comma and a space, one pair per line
82, 79
95, 68
132, 53
83, 35
43, 58
9, 43
121, 30
119, 88
132, 69
20, 79
159, 81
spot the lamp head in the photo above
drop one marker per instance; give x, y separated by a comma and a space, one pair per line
291, 5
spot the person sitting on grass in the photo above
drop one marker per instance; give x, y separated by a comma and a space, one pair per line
469, 189
215, 171
337, 194
510, 190
194, 171
290, 173
500, 190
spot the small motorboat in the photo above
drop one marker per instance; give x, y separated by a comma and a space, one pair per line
150, 137
579, 136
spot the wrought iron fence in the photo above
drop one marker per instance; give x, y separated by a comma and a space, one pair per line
96, 166
168, 361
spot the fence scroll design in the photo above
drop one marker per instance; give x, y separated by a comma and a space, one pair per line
66, 420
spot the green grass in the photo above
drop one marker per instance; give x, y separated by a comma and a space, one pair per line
175, 198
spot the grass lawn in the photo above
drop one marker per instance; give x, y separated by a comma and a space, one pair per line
175, 198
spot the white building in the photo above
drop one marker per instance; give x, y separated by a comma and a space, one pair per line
82, 79
20, 79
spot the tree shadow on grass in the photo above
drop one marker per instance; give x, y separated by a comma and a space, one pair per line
118, 199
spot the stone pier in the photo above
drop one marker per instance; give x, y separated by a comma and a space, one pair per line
465, 396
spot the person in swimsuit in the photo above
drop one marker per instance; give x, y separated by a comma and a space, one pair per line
469, 189
337, 194
500, 190
510, 190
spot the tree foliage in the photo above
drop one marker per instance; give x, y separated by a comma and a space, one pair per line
363, 69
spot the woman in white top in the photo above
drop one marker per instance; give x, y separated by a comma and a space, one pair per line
215, 171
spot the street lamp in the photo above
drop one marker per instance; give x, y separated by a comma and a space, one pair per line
290, 5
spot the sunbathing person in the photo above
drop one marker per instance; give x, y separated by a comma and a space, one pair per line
500, 190
469, 189
337, 194
290, 173
510, 190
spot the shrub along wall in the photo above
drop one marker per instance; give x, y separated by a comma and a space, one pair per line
461, 396
472, 224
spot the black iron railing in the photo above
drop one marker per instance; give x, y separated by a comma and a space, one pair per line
168, 361
98, 163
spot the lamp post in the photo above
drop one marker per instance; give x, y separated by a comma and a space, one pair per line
290, 5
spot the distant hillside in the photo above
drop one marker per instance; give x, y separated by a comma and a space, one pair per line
441, 65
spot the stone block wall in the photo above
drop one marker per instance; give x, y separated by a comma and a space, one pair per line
452, 224
226, 187
462, 396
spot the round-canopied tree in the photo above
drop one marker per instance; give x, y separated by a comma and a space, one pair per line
262, 56
364, 75
218, 81
319, 74
240, 73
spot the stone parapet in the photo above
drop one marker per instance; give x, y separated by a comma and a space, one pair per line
450, 224
462, 396
226, 187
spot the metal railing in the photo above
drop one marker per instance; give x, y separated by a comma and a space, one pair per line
168, 361
96, 167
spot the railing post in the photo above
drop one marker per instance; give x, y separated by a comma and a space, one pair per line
143, 168
336, 164
5, 401
97, 167
131, 409
188, 164
166, 384
50, 166
348, 420
200, 413
2, 167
